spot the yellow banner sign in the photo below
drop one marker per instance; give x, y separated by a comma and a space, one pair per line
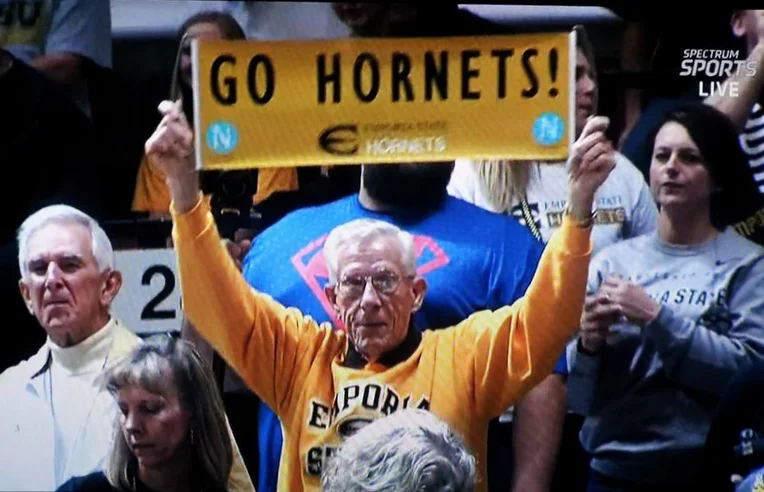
366, 101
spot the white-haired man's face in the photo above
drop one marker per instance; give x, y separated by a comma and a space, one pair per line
64, 287
375, 296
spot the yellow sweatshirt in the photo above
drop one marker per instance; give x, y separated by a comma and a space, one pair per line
152, 194
467, 374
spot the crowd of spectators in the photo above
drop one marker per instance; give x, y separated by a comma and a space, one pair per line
654, 386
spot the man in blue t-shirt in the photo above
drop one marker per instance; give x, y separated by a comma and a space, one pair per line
472, 259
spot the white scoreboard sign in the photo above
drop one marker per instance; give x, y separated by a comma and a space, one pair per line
149, 301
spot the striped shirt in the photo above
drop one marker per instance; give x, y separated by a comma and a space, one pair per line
752, 142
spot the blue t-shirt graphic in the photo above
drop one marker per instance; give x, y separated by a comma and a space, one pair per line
472, 260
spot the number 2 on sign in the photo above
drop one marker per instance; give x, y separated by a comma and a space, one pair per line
150, 311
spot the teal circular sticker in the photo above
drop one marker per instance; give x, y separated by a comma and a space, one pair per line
222, 137
548, 129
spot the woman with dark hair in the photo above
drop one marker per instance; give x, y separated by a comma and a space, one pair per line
670, 317
171, 433
151, 193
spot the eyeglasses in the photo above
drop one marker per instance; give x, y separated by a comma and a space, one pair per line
383, 282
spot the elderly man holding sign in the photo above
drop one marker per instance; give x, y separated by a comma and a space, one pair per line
325, 384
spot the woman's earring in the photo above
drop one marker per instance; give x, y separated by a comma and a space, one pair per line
192, 435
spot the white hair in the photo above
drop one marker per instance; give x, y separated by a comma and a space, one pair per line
99, 241
364, 229
407, 451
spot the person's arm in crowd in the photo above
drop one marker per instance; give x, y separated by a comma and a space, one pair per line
705, 357
187, 331
80, 31
585, 370
267, 344
738, 108
587, 357
516, 347
536, 435
539, 415
701, 354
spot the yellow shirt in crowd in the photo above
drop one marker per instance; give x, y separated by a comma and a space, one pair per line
466, 375
152, 195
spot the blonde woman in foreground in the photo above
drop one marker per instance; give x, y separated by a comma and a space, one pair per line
171, 432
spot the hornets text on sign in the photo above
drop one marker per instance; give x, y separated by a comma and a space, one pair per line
365, 81
369, 101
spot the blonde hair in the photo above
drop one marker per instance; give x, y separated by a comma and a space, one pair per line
505, 182
148, 366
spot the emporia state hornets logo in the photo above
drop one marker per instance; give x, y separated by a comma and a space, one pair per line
309, 263
339, 140
354, 406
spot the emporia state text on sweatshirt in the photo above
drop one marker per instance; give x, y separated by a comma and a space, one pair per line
466, 375
650, 393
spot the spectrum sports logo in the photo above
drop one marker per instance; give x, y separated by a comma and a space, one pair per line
718, 66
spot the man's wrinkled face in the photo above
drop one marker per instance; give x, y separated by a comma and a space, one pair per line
409, 186
375, 296
64, 287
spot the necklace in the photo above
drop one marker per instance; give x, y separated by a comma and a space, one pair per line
528, 216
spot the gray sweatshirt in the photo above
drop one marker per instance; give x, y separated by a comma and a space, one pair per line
649, 394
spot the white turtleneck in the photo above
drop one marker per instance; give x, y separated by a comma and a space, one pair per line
72, 388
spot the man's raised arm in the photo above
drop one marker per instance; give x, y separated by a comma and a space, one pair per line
264, 342
749, 85
517, 346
